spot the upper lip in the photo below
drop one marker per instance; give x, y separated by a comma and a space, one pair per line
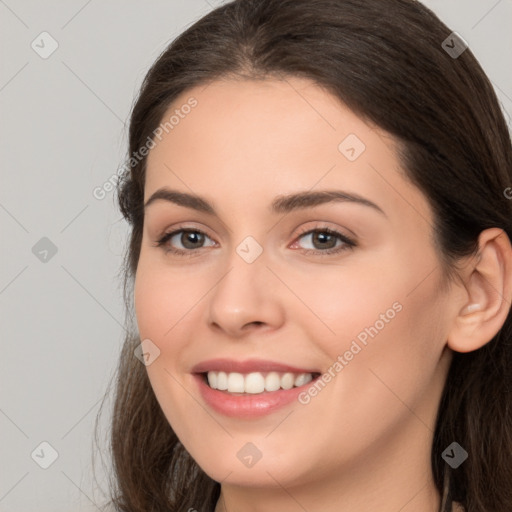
247, 366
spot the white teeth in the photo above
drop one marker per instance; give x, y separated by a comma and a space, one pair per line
236, 383
222, 381
256, 382
287, 381
302, 379
272, 382
213, 380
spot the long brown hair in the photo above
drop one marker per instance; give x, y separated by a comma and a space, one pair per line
386, 61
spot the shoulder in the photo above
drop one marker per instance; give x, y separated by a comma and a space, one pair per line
457, 507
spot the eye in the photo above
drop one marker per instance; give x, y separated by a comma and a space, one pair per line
190, 240
325, 241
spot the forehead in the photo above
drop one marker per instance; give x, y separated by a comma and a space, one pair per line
252, 139
262, 122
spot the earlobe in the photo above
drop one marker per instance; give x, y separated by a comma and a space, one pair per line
488, 284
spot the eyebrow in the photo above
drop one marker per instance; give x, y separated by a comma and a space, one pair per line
281, 204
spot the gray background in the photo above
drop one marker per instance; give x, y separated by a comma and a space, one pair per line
63, 133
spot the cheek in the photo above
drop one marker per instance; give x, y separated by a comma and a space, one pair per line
163, 302
389, 347
382, 316
153, 306
345, 300
163, 299
393, 291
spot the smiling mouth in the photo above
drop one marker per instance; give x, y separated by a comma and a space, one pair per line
256, 382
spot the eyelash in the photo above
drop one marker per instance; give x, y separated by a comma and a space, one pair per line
348, 243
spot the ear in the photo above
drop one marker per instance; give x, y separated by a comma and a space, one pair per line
488, 283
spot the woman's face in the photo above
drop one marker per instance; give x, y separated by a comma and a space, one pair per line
365, 308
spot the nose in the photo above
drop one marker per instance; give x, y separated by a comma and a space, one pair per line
246, 298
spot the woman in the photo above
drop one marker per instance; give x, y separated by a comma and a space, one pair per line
320, 268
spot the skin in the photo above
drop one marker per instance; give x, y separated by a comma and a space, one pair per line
364, 442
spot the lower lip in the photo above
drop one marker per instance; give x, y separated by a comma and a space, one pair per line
247, 405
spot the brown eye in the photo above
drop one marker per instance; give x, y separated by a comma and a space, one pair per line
191, 239
183, 241
325, 241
